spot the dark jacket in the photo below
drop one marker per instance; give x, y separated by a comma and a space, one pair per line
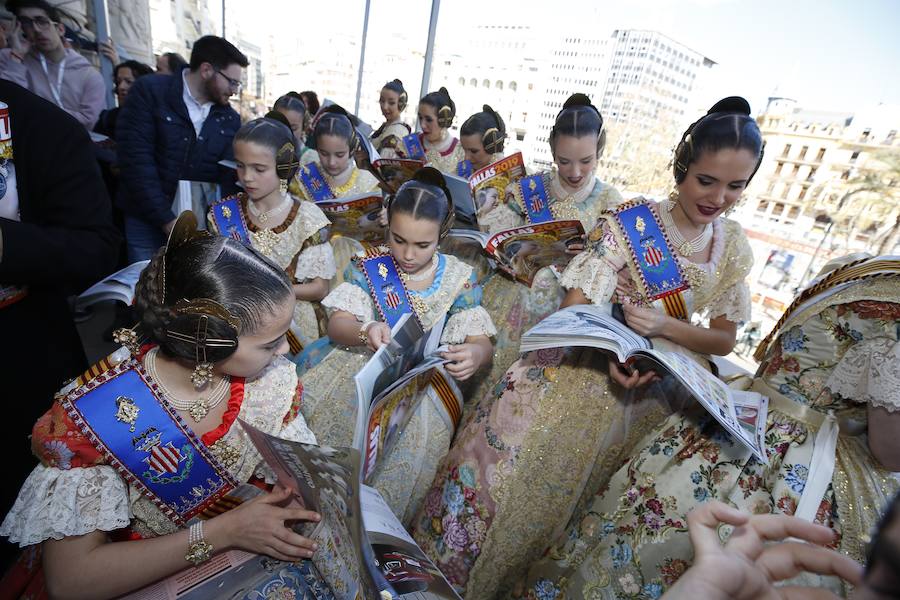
157, 147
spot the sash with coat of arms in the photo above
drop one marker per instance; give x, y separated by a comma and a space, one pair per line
532, 194
464, 169
413, 147
386, 286
229, 219
314, 183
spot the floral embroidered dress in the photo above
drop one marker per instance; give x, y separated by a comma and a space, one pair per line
444, 155
388, 136
74, 490
515, 307
533, 452
329, 401
297, 246
839, 353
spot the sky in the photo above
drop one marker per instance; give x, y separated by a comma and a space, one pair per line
826, 54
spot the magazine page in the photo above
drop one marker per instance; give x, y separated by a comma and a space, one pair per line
355, 216
327, 481
463, 203
394, 172
752, 410
407, 569
489, 184
523, 251
118, 286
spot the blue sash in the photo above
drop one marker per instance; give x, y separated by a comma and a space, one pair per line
314, 183
386, 286
651, 253
413, 145
535, 200
229, 219
464, 168
146, 441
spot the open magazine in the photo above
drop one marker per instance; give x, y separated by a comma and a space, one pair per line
119, 286
390, 172
355, 216
743, 414
388, 385
489, 184
364, 552
523, 251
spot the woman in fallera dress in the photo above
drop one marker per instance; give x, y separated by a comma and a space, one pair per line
285, 229
436, 113
561, 420
392, 100
440, 287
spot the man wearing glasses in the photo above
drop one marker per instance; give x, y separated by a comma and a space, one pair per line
37, 59
176, 127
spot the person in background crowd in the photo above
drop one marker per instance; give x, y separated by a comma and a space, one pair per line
442, 150
170, 63
124, 76
311, 99
40, 62
293, 108
392, 100
176, 128
56, 238
7, 27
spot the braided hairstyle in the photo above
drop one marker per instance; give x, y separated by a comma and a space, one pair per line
443, 106
334, 120
425, 196
727, 124
489, 126
218, 269
273, 132
578, 118
396, 86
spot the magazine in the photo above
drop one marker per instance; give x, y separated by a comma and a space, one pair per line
389, 383
355, 216
364, 552
390, 172
119, 287
523, 251
489, 184
595, 326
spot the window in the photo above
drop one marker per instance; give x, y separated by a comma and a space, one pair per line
499, 85
473, 82
803, 152
795, 171
854, 156
820, 155
514, 86
462, 81
793, 212
787, 149
486, 84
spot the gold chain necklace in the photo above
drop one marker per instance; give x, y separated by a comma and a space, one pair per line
197, 408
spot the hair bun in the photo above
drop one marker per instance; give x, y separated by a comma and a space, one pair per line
398, 82
431, 176
578, 100
731, 104
274, 115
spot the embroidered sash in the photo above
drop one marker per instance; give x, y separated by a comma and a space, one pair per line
146, 441
314, 182
534, 199
413, 146
386, 286
658, 270
464, 168
229, 219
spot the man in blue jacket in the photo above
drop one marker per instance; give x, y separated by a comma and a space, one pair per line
176, 127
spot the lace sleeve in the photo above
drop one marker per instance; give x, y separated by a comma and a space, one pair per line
350, 298
472, 321
595, 271
316, 261
56, 503
869, 372
733, 304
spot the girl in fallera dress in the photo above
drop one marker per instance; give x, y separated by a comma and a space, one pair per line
214, 315
441, 288
482, 137
436, 113
291, 105
392, 100
574, 192
285, 229
534, 452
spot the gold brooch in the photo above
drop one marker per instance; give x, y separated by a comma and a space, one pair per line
127, 411
382, 270
226, 212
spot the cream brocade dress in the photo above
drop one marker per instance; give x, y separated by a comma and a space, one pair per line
445, 155
840, 353
387, 137
296, 245
329, 390
515, 307
531, 454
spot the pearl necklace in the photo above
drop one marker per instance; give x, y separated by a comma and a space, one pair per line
424, 274
686, 248
197, 408
263, 216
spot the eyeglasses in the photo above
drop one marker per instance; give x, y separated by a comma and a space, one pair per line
235, 84
38, 23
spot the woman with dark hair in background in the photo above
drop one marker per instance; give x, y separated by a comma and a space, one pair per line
556, 427
482, 137
124, 76
436, 113
311, 100
392, 100
170, 63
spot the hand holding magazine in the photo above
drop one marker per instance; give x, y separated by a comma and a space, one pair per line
390, 172
743, 414
355, 216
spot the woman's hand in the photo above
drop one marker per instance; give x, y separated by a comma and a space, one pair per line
17, 42
630, 379
108, 50
748, 566
262, 526
379, 334
464, 359
645, 321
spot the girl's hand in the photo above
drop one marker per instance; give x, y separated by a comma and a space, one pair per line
645, 321
262, 526
630, 379
464, 360
379, 335
383, 217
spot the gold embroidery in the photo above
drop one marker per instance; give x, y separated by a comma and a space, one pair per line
225, 453
127, 411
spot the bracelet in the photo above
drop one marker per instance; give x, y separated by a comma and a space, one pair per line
199, 550
364, 332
